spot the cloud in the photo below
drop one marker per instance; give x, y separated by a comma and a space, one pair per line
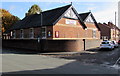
108, 14
91, 8
65, 2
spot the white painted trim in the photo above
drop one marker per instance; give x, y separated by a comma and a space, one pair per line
44, 32
31, 34
22, 34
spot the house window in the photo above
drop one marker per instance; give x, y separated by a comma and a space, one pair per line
31, 33
43, 29
21, 33
94, 33
14, 34
57, 34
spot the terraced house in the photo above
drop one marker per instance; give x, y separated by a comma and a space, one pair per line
109, 31
59, 29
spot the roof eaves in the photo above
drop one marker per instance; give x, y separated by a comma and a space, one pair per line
96, 24
80, 19
89, 13
61, 15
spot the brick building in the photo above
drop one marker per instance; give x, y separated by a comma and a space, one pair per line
105, 31
109, 31
59, 29
115, 31
92, 30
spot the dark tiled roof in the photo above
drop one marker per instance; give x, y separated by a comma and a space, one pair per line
84, 15
49, 17
103, 25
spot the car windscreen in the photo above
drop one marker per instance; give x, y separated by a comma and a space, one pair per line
105, 42
113, 42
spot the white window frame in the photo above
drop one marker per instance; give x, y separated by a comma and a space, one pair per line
43, 32
14, 34
94, 31
21, 33
31, 34
11, 33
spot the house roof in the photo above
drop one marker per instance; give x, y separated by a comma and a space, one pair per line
84, 16
46, 18
104, 25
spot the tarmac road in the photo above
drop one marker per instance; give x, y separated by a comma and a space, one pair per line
95, 56
38, 64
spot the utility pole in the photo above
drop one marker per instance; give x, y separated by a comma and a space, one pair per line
115, 26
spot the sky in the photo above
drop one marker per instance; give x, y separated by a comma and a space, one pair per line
103, 11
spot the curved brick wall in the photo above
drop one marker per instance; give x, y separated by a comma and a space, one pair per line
52, 45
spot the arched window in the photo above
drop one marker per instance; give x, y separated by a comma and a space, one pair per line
14, 34
31, 34
21, 33
43, 29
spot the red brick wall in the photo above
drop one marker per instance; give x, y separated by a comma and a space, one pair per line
90, 25
37, 32
52, 45
26, 33
65, 30
74, 31
17, 33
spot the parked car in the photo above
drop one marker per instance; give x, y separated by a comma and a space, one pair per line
115, 43
119, 42
106, 45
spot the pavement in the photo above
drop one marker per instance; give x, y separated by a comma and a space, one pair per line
66, 53
39, 64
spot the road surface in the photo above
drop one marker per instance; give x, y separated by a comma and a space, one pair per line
38, 64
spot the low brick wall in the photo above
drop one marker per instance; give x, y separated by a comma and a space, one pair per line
63, 45
23, 44
51, 45
89, 43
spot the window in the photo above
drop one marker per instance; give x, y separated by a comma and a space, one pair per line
14, 34
94, 33
31, 33
21, 33
57, 34
43, 29
105, 42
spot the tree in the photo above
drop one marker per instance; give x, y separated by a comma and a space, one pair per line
35, 9
7, 20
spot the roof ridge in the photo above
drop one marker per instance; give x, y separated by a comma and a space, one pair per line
57, 8
84, 13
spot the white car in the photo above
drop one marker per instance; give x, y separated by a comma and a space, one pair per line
106, 45
115, 43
